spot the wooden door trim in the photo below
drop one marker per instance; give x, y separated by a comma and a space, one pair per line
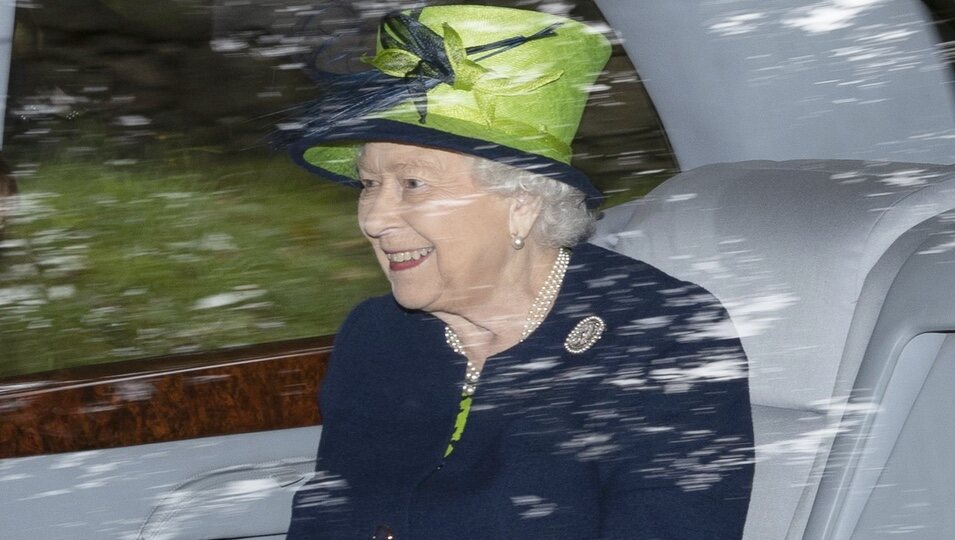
239, 390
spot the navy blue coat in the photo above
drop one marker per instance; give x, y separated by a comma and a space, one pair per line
646, 435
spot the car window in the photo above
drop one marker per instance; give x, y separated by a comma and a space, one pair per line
152, 216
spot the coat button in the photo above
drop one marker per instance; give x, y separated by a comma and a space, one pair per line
383, 532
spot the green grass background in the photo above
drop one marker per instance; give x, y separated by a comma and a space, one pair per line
105, 262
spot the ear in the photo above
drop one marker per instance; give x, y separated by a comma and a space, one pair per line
524, 212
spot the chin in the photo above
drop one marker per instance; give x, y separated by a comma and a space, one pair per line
412, 299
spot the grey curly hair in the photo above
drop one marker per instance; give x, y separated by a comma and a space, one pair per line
564, 220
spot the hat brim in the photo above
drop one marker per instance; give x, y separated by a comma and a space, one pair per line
345, 140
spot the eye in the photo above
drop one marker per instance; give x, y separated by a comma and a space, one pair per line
368, 184
413, 183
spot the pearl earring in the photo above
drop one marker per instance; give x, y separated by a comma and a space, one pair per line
517, 242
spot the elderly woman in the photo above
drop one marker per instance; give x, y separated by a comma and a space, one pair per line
515, 383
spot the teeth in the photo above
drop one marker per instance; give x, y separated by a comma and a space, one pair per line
403, 256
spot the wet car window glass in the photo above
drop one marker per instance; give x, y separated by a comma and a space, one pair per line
152, 218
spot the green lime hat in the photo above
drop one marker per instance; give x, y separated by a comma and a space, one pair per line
504, 84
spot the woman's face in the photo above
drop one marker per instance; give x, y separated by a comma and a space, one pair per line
441, 240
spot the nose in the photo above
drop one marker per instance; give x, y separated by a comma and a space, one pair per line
379, 212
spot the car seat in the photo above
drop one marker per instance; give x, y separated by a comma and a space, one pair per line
834, 273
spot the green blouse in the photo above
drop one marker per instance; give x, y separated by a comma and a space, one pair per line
459, 422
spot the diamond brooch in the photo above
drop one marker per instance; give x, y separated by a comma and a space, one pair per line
585, 334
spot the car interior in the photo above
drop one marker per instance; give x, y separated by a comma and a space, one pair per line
821, 215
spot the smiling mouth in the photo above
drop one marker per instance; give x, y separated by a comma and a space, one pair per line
403, 260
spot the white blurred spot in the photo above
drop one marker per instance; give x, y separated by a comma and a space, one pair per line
224, 45
737, 24
174, 195
680, 197
625, 382
829, 16
717, 370
227, 298
538, 365
280, 50
649, 323
907, 178
120, 162
133, 120
536, 507
45, 494
60, 292
939, 248
13, 295
248, 488
754, 315
217, 242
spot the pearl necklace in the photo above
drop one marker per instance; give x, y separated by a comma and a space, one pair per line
535, 316
472, 373
547, 294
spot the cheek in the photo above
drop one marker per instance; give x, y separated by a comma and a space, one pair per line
473, 249
379, 256
362, 216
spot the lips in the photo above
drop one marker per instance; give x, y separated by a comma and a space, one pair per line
403, 260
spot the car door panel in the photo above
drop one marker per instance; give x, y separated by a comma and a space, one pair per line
212, 487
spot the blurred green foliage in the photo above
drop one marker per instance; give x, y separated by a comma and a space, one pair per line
105, 262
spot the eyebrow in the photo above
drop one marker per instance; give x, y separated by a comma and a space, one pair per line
413, 164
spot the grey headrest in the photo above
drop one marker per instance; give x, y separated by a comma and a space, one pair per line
786, 246
792, 79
